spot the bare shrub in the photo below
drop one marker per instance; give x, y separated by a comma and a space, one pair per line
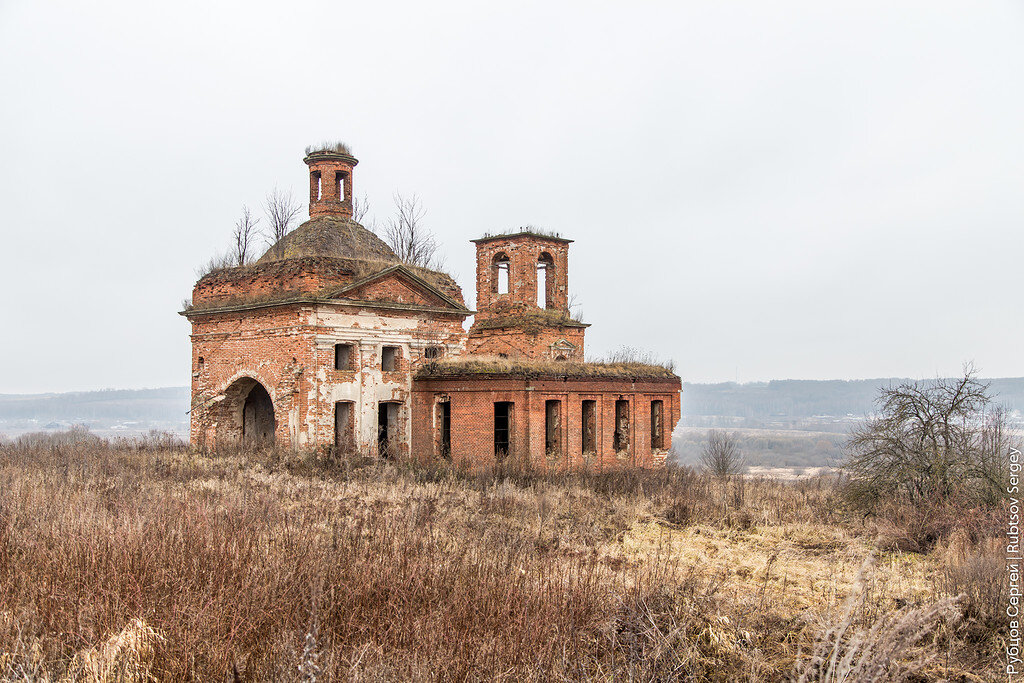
931, 441
76, 435
721, 455
976, 571
153, 441
633, 354
216, 263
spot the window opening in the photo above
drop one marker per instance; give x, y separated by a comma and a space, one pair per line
342, 356
589, 426
545, 281
315, 186
621, 440
657, 429
339, 185
553, 427
502, 428
500, 274
389, 358
444, 426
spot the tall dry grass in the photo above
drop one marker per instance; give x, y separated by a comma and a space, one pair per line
154, 563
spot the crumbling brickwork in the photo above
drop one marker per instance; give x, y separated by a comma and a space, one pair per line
329, 342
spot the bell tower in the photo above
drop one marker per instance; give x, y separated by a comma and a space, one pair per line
522, 298
330, 181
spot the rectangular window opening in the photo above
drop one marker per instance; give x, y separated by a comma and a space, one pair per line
389, 356
342, 356
433, 352
343, 431
590, 426
553, 427
502, 428
657, 428
621, 439
444, 426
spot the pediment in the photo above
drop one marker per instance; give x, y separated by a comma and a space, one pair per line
397, 285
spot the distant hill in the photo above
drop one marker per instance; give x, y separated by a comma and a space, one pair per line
110, 411
798, 403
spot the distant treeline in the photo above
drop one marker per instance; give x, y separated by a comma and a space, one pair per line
168, 404
794, 399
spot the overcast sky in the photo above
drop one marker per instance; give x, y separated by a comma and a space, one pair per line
758, 190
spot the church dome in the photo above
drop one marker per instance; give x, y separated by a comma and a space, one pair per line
333, 236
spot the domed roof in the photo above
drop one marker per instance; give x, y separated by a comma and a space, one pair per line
334, 236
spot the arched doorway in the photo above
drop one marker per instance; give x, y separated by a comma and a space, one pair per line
246, 415
258, 423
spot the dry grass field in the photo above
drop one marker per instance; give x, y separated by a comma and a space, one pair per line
156, 563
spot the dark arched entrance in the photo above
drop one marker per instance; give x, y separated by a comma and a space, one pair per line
258, 423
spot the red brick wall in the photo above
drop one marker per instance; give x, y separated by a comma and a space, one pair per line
472, 405
534, 343
290, 351
523, 252
277, 278
330, 202
271, 346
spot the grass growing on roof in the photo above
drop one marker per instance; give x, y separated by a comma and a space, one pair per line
495, 365
335, 146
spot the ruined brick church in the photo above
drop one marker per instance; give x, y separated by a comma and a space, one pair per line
328, 341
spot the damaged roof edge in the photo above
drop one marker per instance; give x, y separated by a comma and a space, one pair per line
523, 374
358, 303
485, 366
521, 233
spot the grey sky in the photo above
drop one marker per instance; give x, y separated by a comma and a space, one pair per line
757, 190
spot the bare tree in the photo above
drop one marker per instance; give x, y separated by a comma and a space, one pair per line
360, 208
405, 234
721, 455
245, 235
282, 210
930, 441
